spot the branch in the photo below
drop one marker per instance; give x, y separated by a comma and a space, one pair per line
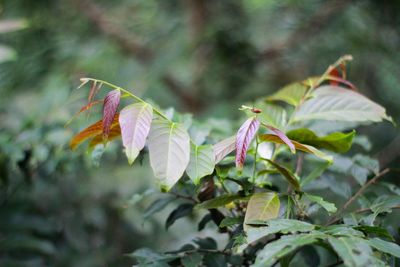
356, 195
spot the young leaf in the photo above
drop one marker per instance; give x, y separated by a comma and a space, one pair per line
275, 250
290, 177
329, 207
223, 148
261, 206
98, 139
244, 137
169, 149
270, 114
305, 148
201, 162
337, 142
135, 121
339, 104
111, 102
91, 131
291, 94
283, 137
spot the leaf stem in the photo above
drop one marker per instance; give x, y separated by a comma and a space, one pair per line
158, 112
255, 162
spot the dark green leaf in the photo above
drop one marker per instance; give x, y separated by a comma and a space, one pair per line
157, 206
219, 201
206, 243
379, 231
192, 260
337, 142
290, 177
181, 211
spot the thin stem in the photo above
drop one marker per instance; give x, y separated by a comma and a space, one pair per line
255, 162
126, 92
184, 197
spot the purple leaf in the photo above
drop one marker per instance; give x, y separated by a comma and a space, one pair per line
135, 121
244, 136
223, 148
283, 137
111, 102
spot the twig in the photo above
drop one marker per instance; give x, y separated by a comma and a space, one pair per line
184, 197
356, 195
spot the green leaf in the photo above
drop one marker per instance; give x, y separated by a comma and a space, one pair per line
192, 260
156, 206
169, 149
135, 121
291, 94
339, 104
275, 250
274, 226
271, 114
385, 246
201, 162
337, 142
180, 212
229, 221
329, 207
290, 177
354, 251
262, 206
220, 201
318, 170
376, 230
305, 148
340, 230
149, 258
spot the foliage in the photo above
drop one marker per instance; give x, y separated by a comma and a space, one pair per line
267, 221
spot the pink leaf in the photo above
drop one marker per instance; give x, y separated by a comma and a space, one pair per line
135, 121
111, 102
244, 136
283, 137
223, 148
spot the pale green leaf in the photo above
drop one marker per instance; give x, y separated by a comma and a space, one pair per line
274, 226
354, 251
261, 206
385, 246
169, 149
291, 94
201, 162
339, 104
329, 207
277, 249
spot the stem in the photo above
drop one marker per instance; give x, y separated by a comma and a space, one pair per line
255, 163
159, 113
356, 195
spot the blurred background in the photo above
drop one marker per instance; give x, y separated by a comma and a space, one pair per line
64, 208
